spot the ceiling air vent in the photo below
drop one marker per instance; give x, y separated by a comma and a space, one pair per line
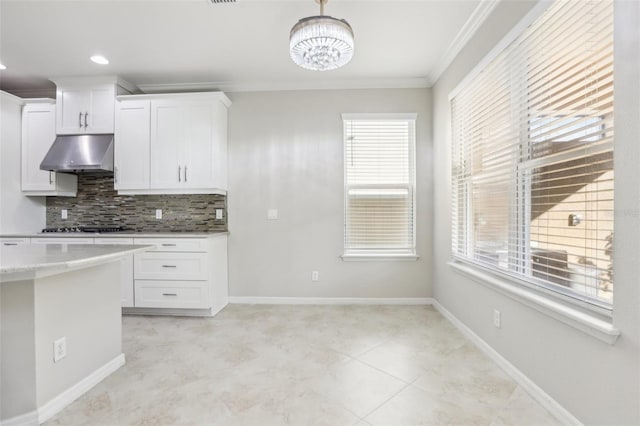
221, 1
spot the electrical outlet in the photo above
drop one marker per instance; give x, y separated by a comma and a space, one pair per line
59, 349
496, 318
63, 213
272, 214
158, 213
315, 276
219, 213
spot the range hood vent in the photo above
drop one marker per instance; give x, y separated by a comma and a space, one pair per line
80, 154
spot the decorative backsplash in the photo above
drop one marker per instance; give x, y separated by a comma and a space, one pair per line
97, 203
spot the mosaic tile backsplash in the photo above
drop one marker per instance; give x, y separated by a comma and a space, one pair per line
97, 203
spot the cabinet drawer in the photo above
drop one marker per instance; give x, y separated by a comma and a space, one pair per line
171, 266
172, 294
113, 241
13, 241
62, 240
175, 244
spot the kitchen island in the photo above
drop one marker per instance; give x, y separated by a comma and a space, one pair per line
60, 325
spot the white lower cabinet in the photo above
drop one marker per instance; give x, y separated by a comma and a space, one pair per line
9, 241
126, 270
173, 294
182, 273
178, 275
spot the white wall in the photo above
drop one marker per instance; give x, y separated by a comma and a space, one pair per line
286, 152
596, 382
17, 212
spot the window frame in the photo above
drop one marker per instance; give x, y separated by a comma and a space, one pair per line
383, 254
529, 290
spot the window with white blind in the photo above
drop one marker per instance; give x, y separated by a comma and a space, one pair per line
532, 157
379, 180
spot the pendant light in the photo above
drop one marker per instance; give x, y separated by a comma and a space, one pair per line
321, 43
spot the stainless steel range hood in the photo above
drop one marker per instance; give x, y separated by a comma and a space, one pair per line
80, 154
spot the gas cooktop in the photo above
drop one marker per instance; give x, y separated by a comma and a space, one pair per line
92, 229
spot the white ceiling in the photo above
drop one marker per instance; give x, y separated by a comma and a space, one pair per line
234, 46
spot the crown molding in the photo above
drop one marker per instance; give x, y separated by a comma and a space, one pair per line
266, 86
477, 18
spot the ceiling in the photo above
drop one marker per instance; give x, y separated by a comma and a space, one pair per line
160, 45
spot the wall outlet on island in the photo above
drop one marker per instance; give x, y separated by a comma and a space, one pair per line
219, 213
158, 213
59, 349
63, 213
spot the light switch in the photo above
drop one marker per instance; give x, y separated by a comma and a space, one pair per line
219, 213
63, 213
272, 214
158, 213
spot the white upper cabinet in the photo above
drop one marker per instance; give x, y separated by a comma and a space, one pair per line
38, 134
167, 140
86, 106
187, 143
131, 150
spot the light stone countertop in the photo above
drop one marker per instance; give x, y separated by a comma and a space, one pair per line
40, 257
116, 234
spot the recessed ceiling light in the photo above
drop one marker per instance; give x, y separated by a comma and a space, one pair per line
2, 67
99, 60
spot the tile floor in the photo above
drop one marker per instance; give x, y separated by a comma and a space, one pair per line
303, 365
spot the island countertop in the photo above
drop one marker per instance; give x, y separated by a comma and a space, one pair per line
59, 257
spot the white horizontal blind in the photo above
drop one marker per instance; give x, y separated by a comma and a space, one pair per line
532, 156
379, 158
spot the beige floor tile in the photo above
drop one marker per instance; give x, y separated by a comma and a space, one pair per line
521, 409
302, 366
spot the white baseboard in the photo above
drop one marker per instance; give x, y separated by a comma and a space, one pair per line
331, 300
27, 419
543, 398
57, 404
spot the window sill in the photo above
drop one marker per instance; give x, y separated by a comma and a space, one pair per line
587, 323
384, 257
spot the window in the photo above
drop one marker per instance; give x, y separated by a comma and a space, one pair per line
532, 158
379, 179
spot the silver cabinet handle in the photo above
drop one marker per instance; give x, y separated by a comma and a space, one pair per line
50, 178
115, 175
80, 120
185, 173
9, 244
86, 114
169, 266
169, 294
168, 245
179, 168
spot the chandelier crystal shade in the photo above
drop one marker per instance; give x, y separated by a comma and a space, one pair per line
321, 43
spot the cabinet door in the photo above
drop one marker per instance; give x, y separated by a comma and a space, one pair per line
38, 133
198, 150
100, 118
167, 137
131, 150
72, 103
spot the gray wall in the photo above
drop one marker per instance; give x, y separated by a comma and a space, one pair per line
17, 212
286, 152
596, 382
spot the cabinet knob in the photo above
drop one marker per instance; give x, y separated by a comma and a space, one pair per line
169, 294
179, 169
80, 120
185, 173
86, 114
